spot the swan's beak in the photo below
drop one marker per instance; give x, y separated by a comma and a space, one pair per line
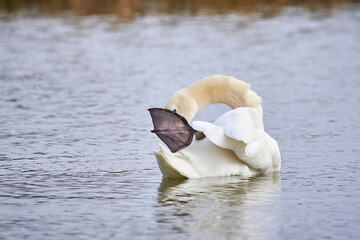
172, 128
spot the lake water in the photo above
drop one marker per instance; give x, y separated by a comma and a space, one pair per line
76, 155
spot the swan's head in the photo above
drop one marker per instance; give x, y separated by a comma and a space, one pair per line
183, 104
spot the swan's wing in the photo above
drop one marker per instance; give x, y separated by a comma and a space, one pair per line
217, 136
241, 124
214, 133
240, 130
252, 148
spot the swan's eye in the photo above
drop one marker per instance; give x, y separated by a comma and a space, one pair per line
174, 110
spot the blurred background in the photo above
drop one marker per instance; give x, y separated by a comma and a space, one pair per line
77, 78
128, 9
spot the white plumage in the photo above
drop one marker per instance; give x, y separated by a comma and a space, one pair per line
235, 144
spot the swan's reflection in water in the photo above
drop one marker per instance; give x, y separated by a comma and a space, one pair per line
222, 208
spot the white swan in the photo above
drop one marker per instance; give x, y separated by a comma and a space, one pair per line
235, 144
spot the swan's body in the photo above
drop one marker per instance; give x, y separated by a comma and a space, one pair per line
235, 144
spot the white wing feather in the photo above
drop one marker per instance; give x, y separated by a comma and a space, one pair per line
241, 124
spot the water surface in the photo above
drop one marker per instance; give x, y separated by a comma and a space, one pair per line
75, 144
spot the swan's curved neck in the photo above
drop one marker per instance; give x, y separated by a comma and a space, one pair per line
215, 89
